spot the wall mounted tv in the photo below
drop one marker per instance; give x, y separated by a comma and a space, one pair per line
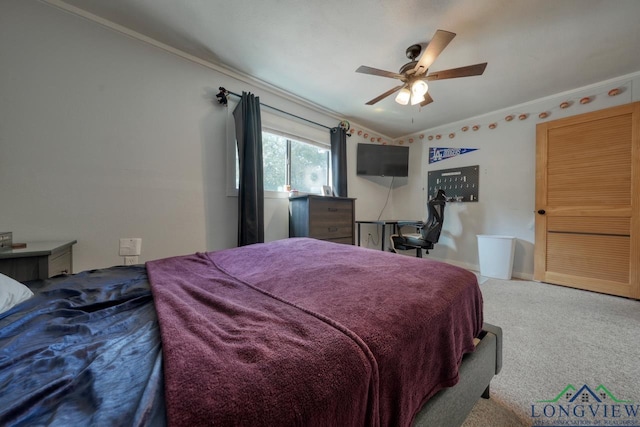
382, 160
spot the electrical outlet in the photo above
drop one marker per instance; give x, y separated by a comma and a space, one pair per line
131, 260
130, 246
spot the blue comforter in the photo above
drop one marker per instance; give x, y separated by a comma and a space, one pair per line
85, 350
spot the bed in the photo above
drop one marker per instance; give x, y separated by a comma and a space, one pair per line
292, 332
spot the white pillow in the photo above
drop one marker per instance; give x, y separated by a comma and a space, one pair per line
12, 293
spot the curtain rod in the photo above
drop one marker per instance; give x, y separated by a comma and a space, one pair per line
222, 99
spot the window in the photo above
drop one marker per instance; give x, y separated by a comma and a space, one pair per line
293, 152
308, 167
286, 161
274, 162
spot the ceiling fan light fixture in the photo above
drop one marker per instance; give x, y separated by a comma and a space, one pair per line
403, 96
419, 87
416, 99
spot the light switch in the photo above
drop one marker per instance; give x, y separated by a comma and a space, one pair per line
130, 246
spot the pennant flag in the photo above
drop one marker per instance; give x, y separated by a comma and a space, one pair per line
437, 154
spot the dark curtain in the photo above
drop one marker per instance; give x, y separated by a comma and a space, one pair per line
250, 191
339, 161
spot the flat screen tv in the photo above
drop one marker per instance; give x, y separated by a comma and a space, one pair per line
382, 160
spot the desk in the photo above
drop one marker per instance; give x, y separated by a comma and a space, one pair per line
382, 222
39, 260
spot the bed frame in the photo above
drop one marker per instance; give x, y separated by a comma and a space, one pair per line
451, 406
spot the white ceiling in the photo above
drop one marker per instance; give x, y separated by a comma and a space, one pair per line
534, 48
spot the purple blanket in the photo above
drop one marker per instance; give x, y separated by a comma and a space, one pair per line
301, 331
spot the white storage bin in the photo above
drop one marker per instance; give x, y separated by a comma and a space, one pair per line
496, 255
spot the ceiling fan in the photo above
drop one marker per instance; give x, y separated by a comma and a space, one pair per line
413, 75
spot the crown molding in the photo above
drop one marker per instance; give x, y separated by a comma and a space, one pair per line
626, 79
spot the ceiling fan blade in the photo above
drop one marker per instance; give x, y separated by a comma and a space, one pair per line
437, 44
469, 70
384, 95
377, 72
427, 100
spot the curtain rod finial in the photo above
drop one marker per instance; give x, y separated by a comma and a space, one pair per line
222, 96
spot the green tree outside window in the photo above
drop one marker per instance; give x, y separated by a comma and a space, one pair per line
305, 167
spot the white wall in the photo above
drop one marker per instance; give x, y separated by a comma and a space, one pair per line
506, 156
103, 136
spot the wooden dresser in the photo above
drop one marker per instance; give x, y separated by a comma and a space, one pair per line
322, 217
39, 260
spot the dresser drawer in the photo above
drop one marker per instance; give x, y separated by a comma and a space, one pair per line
60, 263
329, 231
331, 206
337, 213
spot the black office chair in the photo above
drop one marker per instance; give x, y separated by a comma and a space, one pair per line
429, 232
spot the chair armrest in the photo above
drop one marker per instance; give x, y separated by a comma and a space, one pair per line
417, 224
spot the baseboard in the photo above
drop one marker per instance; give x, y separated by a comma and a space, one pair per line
476, 268
523, 276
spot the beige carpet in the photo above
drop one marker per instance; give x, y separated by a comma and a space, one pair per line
554, 337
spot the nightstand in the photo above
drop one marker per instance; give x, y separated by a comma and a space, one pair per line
39, 260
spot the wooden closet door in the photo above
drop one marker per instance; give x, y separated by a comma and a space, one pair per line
588, 201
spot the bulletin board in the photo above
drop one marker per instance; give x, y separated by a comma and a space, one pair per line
459, 184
